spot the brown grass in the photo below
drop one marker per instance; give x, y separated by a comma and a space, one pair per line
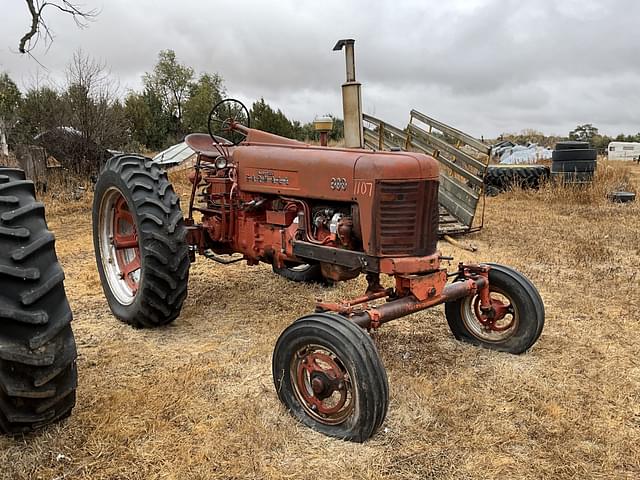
196, 400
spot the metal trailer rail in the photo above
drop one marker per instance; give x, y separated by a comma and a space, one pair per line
463, 162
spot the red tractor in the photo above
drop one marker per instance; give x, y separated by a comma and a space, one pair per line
345, 211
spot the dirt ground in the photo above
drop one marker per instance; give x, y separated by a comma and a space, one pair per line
196, 399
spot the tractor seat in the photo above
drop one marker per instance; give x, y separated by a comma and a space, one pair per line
202, 143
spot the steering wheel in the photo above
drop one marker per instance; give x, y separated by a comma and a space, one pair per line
222, 119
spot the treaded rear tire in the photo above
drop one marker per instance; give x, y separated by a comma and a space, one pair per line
164, 254
38, 375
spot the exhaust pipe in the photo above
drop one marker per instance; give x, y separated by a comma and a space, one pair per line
351, 97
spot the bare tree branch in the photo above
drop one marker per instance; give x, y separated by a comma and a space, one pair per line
40, 29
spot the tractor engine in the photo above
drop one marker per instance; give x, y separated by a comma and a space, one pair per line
264, 228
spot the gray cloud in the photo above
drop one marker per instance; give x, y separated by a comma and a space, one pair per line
486, 66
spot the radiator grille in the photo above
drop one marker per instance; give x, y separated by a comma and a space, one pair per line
406, 218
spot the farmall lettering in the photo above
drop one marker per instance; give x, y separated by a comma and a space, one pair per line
271, 177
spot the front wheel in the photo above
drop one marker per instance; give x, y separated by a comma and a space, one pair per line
329, 375
140, 245
519, 308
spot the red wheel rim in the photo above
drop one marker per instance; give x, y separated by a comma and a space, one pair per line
499, 321
494, 326
125, 242
322, 384
119, 247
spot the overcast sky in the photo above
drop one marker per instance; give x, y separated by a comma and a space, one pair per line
484, 66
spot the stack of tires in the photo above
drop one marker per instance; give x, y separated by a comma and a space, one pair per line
501, 178
573, 162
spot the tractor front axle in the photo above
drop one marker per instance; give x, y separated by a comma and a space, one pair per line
414, 293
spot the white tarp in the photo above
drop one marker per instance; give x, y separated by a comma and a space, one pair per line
174, 155
524, 154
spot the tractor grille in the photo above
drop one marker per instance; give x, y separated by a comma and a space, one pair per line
406, 218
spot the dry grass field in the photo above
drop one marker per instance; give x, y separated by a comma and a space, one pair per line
196, 399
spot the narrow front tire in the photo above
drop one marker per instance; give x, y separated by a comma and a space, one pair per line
523, 314
328, 374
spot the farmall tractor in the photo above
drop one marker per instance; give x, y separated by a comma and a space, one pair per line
349, 211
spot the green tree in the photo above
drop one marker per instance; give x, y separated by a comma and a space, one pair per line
41, 109
583, 133
147, 122
203, 95
10, 98
263, 117
172, 81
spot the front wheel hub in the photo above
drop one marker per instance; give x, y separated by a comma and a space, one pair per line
493, 324
322, 385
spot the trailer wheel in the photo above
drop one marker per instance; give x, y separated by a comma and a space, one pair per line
139, 239
522, 308
328, 374
303, 273
38, 375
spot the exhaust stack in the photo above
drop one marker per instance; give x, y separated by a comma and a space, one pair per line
351, 97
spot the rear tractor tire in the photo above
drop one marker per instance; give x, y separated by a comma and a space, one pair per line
38, 375
328, 374
139, 239
520, 327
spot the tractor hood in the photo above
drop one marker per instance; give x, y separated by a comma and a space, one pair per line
301, 170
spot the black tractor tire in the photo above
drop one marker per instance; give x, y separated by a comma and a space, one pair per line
500, 178
574, 166
352, 352
527, 314
163, 254
302, 273
38, 374
572, 145
571, 178
589, 154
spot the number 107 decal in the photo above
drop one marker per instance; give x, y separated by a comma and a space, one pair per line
364, 189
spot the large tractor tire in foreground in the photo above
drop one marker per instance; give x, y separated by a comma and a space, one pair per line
140, 245
38, 375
